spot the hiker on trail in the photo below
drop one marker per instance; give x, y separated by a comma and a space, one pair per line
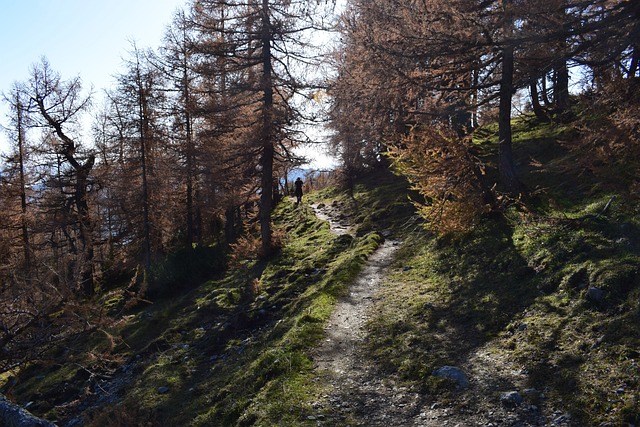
298, 190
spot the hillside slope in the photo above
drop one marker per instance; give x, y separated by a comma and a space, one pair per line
549, 292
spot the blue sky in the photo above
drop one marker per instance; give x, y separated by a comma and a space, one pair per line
86, 38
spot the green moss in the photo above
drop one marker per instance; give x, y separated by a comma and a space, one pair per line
233, 349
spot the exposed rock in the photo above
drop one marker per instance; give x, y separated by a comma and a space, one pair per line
598, 342
12, 415
563, 419
511, 398
163, 390
453, 373
595, 294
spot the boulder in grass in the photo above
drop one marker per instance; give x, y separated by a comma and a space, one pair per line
454, 374
12, 415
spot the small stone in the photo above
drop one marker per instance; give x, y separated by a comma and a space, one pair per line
595, 294
163, 390
453, 373
511, 398
598, 342
562, 419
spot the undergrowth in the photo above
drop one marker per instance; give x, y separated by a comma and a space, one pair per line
230, 351
553, 287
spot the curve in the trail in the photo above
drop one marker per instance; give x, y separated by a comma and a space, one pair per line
358, 393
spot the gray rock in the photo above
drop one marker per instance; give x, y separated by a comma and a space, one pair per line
562, 419
12, 415
163, 390
595, 294
453, 373
598, 342
511, 398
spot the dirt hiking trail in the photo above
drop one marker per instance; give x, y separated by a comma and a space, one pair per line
360, 394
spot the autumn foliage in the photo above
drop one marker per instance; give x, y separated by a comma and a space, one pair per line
441, 167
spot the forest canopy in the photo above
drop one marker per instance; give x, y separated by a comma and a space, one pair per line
194, 145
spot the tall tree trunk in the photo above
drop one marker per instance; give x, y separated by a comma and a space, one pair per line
506, 165
23, 191
143, 163
545, 92
474, 94
561, 88
86, 234
230, 225
535, 100
190, 149
190, 215
266, 162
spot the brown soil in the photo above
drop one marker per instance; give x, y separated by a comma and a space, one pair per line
359, 393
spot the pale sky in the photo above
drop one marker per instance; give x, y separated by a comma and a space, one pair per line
86, 38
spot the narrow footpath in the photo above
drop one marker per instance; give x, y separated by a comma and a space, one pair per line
359, 394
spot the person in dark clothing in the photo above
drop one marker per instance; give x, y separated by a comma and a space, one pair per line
298, 190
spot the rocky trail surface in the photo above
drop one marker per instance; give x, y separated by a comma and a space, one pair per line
491, 390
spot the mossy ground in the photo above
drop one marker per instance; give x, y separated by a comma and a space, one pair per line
234, 350
520, 284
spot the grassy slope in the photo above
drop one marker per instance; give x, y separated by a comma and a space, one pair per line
233, 350
519, 285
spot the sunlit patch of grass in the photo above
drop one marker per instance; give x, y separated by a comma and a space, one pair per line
247, 363
444, 299
233, 350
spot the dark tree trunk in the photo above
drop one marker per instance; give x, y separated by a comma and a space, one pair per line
545, 92
266, 162
189, 143
145, 184
507, 168
86, 234
633, 67
190, 178
561, 88
535, 101
230, 225
23, 192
